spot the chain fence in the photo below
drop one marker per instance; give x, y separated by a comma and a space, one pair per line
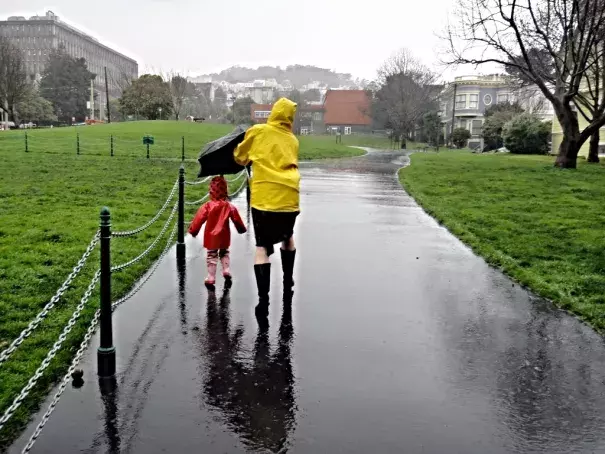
140, 257
152, 220
87, 337
10, 411
4, 355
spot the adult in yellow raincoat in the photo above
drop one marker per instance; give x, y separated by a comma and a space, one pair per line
272, 149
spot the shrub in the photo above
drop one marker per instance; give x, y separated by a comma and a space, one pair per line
527, 134
493, 127
460, 137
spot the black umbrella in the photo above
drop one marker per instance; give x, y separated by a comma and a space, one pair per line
217, 156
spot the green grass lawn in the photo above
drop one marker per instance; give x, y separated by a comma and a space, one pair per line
96, 140
541, 225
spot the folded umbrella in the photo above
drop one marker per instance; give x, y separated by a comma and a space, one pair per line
217, 156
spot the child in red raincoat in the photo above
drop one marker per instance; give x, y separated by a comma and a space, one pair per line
216, 214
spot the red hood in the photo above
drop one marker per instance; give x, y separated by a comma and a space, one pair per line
218, 189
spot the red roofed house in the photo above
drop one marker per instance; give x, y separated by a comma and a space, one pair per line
309, 118
348, 110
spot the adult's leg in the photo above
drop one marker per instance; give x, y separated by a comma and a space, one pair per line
288, 255
262, 272
261, 257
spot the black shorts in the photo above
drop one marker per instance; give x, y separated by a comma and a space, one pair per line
271, 227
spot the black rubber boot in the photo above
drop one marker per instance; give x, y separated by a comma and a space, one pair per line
287, 263
263, 283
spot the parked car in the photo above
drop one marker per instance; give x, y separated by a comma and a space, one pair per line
28, 125
3, 125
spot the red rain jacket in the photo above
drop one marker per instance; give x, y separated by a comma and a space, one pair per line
216, 215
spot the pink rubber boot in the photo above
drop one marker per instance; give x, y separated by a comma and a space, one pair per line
225, 264
211, 263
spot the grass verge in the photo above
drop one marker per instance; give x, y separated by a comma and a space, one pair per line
541, 225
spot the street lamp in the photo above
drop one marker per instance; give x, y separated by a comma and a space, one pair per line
160, 109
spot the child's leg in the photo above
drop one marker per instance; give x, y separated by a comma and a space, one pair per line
211, 263
225, 262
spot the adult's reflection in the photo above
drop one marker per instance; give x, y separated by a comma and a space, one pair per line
254, 395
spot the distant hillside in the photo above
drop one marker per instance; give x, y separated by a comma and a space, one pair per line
298, 75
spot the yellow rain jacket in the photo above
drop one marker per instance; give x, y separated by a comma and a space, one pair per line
273, 151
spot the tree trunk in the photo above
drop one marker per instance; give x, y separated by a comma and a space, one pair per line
593, 153
568, 153
570, 146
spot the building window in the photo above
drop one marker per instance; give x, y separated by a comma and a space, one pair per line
317, 116
477, 126
347, 130
473, 101
502, 98
487, 100
462, 123
460, 101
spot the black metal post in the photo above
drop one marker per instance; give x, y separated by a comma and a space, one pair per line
78, 143
26, 144
147, 150
106, 353
183, 148
111, 140
180, 247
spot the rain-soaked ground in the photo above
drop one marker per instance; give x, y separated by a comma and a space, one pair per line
399, 339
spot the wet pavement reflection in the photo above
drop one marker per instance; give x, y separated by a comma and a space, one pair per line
255, 395
398, 339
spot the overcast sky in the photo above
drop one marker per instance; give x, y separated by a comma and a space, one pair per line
201, 36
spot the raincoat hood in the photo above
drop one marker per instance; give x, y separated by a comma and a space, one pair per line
282, 113
218, 189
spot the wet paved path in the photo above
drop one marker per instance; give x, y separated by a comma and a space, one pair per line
399, 340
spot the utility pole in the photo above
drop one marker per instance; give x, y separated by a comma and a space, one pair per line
107, 97
92, 99
453, 113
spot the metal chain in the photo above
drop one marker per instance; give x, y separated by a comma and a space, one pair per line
151, 246
42, 315
140, 285
236, 177
89, 333
152, 220
195, 183
74, 363
203, 199
10, 411
197, 202
237, 191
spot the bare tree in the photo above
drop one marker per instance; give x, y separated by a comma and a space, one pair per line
122, 80
179, 86
14, 86
555, 44
407, 90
